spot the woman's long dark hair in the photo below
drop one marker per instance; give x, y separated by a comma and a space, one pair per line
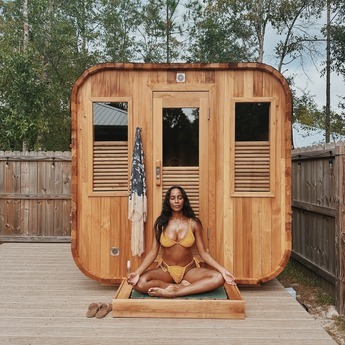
163, 220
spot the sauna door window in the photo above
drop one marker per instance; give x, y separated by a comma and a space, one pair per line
181, 150
180, 136
252, 161
110, 147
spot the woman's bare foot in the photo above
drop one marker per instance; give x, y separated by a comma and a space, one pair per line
184, 282
168, 292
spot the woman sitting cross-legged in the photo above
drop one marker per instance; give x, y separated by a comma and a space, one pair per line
178, 272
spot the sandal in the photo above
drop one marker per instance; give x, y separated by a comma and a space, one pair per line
103, 310
93, 309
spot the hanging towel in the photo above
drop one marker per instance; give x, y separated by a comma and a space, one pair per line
137, 207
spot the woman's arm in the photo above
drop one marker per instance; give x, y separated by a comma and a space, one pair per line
147, 262
206, 256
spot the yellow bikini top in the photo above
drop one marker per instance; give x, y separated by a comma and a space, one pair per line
186, 242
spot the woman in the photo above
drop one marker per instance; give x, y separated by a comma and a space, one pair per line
178, 273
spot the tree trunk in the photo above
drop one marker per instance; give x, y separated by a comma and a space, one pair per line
328, 76
167, 32
26, 25
25, 46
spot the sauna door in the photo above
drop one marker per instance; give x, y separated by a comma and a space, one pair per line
181, 149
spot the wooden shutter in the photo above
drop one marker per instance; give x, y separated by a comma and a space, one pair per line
252, 166
110, 166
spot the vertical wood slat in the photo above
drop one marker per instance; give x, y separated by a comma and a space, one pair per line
35, 196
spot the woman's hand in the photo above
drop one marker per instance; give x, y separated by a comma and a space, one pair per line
228, 277
133, 278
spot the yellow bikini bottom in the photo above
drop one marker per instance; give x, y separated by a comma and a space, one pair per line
176, 272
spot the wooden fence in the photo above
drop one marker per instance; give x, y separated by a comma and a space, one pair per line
35, 205
318, 226
35, 196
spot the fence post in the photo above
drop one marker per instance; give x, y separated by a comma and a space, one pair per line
340, 231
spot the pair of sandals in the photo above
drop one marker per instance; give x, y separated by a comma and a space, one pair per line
98, 310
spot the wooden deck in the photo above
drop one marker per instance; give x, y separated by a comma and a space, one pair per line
44, 299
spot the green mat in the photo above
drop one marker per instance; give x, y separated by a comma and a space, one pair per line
214, 294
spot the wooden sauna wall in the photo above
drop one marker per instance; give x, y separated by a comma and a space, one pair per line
255, 242
102, 217
248, 233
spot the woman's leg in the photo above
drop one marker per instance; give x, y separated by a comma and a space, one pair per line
155, 277
200, 280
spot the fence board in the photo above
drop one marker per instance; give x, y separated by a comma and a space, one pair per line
35, 196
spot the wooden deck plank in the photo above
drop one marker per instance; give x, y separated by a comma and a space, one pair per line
98, 339
44, 299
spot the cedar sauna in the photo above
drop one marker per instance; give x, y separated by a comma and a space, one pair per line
221, 131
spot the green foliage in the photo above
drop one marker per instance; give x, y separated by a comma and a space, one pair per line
338, 37
294, 273
22, 109
35, 84
217, 35
306, 112
67, 37
160, 31
324, 298
338, 48
297, 275
120, 19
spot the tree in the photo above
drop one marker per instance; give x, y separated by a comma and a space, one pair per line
307, 113
21, 86
257, 15
120, 19
295, 22
160, 31
216, 34
22, 108
47, 44
305, 110
337, 43
242, 27
37, 72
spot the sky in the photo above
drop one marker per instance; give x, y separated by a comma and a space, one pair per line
317, 86
309, 77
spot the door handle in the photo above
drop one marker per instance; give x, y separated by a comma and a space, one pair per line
158, 170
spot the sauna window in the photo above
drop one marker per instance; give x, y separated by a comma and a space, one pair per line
110, 146
251, 121
252, 147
